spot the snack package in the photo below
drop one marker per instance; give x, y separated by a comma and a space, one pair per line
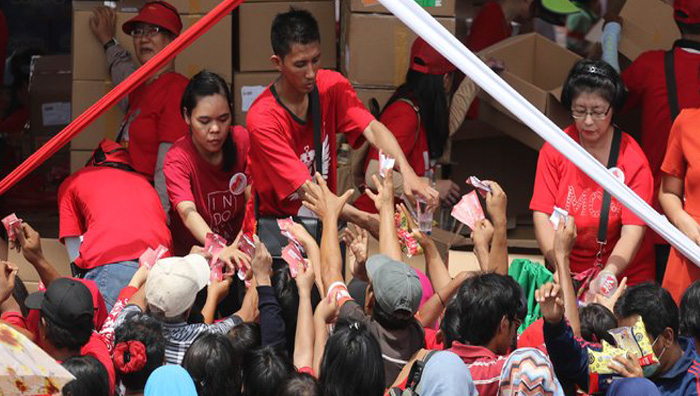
247, 246
385, 163
150, 256
214, 244
409, 245
629, 340
558, 214
468, 210
284, 225
293, 257
13, 226
482, 187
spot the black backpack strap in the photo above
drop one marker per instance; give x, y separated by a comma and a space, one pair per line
605, 207
414, 376
671, 87
316, 113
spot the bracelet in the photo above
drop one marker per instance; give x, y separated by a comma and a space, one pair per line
111, 43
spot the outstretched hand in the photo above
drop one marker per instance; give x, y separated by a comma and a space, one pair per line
384, 198
321, 200
551, 302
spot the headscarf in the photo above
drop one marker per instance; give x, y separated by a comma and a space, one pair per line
170, 380
446, 374
528, 371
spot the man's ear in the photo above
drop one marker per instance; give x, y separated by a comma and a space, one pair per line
668, 337
504, 327
187, 118
277, 62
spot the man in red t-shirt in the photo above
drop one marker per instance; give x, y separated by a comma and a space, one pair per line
645, 79
117, 213
282, 152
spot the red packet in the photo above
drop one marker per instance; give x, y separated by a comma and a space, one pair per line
293, 257
409, 244
285, 224
468, 210
150, 256
214, 244
479, 185
247, 246
13, 226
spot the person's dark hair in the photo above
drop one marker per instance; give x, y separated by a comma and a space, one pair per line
690, 311
594, 76
91, 378
20, 294
653, 303
148, 331
687, 28
300, 384
428, 93
206, 83
293, 27
264, 369
71, 339
211, 363
287, 294
596, 320
474, 314
352, 362
244, 338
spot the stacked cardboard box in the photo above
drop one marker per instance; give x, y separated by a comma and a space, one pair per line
91, 80
254, 69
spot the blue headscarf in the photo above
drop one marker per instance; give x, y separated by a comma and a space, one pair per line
170, 380
446, 374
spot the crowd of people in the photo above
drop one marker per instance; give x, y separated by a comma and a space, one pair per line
205, 193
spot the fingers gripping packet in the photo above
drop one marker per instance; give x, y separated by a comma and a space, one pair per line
285, 224
293, 257
629, 340
409, 244
558, 214
150, 256
13, 226
214, 244
479, 185
385, 163
468, 210
247, 246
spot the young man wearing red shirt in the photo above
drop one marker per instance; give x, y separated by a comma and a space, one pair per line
118, 214
646, 81
282, 151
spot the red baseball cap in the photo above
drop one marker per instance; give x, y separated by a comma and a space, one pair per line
158, 13
427, 60
687, 11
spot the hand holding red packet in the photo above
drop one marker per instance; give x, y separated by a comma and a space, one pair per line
214, 244
150, 256
385, 163
13, 226
468, 210
285, 224
247, 246
293, 257
482, 187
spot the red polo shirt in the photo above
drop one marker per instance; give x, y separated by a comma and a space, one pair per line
484, 366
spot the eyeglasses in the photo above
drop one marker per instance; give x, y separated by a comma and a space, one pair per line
596, 115
145, 31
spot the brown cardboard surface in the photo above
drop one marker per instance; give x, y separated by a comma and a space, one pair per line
78, 159
55, 253
647, 25
247, 87
212, 51
536, 68
49, 94
442, 7
85, 94
375, 48
382, 95
183, 6
252, 26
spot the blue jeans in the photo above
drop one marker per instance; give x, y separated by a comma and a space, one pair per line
111, 279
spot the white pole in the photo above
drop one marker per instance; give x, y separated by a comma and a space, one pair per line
424, 25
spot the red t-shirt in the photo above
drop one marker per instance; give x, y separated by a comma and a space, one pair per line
484, 366
189, 177
117, 212
489, 27
645, 79
282, 149
560, 183
154, 117
402, 120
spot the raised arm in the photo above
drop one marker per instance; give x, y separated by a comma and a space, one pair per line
304, 339
496, 203
384, 202
564, 240
30, 241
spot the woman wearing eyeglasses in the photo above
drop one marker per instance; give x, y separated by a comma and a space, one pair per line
594, 92
153, 117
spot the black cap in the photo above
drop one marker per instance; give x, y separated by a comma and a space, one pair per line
67, 303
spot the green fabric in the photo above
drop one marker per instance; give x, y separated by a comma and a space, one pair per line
530, 275
426, 3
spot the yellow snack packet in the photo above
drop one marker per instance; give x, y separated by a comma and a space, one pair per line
629, 340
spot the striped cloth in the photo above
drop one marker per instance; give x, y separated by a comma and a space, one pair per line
179, 336
528, 372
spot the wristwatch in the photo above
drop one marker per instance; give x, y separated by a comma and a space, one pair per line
112, 42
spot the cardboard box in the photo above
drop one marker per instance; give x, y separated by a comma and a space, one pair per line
85, 94
212, 51
252, 27
78, 159
55, 253
536, 68
183, 6
246, 88
382, 95
49, 94
375, 48
437, 8
647, 25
